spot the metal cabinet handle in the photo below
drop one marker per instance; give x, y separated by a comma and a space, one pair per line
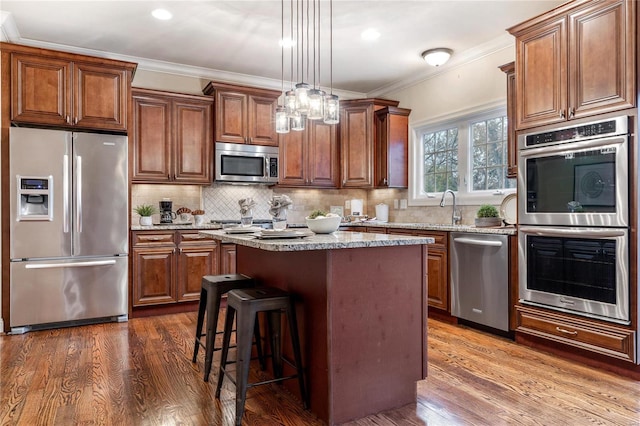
572, 112
68, 119
385, 181
562, 115
75, 120
562, 330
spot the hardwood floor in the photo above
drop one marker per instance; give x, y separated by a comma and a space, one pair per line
140, 373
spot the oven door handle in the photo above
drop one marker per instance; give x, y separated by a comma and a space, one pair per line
568, 148
572, 232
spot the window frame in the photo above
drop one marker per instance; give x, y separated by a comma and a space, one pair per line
464, 195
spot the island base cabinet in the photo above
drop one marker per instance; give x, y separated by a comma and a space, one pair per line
585, 334
362, 317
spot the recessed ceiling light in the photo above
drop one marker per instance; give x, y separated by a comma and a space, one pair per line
287, 43
162, 14
370, 34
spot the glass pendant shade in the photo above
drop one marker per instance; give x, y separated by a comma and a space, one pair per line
331, 109
282, 121
290, 103
297, 122
302, 98
316, 104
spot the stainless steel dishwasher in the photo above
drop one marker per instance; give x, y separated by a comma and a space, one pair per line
480, 278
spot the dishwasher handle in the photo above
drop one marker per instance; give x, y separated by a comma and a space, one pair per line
474, 242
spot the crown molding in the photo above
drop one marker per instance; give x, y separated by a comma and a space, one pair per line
8, 28
490, 47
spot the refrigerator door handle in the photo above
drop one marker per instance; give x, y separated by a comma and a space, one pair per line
65, 194
69, 264
78, 193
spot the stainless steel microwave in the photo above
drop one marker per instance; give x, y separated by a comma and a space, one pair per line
242, 163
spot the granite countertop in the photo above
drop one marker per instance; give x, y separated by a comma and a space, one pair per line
504, 230
333, 241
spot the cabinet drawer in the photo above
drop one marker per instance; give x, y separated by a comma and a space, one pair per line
589, 335
441, 238
195, 237
153, 238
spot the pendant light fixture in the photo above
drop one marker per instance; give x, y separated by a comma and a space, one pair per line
306, 102
282, 121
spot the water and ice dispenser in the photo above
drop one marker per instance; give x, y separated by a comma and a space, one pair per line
35, 197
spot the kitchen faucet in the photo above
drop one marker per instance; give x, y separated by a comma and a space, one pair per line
456, 216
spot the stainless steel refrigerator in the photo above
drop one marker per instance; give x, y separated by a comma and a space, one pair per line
69, 228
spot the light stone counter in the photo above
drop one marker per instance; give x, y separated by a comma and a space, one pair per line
333, 241
505, 230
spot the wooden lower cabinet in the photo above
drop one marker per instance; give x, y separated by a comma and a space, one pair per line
168, 266
582, 333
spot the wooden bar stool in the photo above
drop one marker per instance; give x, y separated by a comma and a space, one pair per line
247, 303
213, 288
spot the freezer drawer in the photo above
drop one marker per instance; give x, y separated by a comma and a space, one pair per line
52, 291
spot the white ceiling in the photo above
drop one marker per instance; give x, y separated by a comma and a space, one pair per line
232, 40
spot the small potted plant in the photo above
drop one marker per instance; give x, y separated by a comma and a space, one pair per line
487, 216
145, 211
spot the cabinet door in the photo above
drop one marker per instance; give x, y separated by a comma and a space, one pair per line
100, 97
293, 154
228, 258
40, 90
392, 148
356, 146
602, 58
153, 275
541, 74
438, 288
512, 144
261, 126
322, 158
193, 141
231, 117
195, 261
151, 139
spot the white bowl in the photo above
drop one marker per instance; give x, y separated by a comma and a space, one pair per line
324, 225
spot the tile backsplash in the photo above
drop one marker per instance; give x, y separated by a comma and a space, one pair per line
220, 201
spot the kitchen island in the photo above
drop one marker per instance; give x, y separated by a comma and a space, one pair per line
362, 314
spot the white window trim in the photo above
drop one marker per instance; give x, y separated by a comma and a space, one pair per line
416, 196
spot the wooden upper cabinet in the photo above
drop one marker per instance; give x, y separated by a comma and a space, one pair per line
512, 143
172, 138
392, 147
577, 60
193, 140
358, 141
64, 90
309, 157
602, 58
244, 114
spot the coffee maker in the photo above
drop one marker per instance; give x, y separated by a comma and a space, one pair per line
166, 213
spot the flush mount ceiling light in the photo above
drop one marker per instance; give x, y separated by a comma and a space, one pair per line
162, 14
437, 57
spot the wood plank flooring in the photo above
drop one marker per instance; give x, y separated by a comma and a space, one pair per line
140, 373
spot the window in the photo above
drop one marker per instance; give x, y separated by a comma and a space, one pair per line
468, 155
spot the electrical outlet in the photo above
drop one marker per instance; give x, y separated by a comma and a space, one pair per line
403, 204
347, 204
395, 204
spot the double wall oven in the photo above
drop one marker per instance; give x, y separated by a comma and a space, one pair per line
573, 211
